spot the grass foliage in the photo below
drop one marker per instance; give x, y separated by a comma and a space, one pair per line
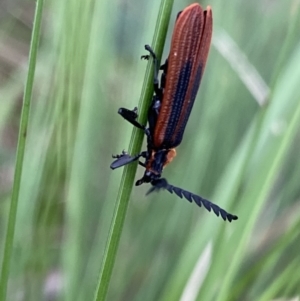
240, 150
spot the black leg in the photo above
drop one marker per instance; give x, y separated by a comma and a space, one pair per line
131, 116
156, 68
124, 159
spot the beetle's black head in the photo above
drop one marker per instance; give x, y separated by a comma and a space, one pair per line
148, 177
154, 166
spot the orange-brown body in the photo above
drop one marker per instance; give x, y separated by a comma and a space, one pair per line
185, 65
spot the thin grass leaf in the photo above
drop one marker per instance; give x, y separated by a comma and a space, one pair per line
10, 231
134, 147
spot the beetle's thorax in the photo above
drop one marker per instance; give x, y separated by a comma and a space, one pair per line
155, 163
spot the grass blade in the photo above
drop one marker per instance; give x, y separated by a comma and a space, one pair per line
134, 148
20, 150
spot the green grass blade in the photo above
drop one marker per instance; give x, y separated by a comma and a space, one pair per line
134, 148
20, 150
270, 165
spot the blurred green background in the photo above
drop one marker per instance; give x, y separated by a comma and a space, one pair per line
241, 150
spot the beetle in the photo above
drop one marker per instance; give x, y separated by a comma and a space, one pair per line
172, 102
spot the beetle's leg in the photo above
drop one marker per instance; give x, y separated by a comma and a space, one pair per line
157, 90
131, 116
124, 159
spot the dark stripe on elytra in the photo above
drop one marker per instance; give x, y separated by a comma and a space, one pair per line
178, 102
188, 109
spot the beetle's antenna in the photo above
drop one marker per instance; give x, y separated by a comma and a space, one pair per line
163, 183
